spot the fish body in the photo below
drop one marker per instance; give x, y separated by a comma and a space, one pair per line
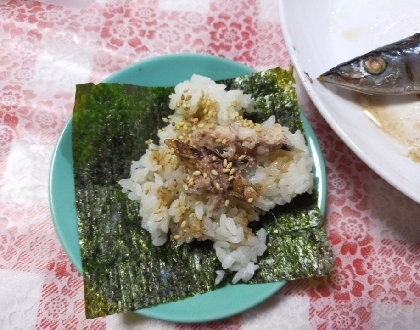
392, 69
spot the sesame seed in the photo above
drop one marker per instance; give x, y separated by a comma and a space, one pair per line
188, 97
214, 172
231, 178
217, 185
241, 157
196, 173
229, 165
165, 120
213, 136
177, 237
148, 141
224, 162
226, 170
181, 137
183, 224
182, 97
213, 157
227, 202
249, 200
159, 210
224, 141
231, 171
218, 140
205, 175
185, 127
201, 125
185, 187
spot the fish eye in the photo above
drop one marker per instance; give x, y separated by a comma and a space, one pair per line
375, 65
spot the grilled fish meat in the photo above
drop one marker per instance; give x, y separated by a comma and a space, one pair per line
390, 70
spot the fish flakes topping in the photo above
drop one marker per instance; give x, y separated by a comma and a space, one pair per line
214, 171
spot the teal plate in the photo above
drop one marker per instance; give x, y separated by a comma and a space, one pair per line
169, 71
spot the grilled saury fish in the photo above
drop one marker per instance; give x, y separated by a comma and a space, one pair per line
391, 69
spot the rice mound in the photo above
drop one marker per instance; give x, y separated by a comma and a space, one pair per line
214, 172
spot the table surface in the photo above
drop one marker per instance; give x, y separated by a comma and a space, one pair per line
45, 50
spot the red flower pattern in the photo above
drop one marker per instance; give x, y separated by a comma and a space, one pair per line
376, 268
51, 16
342, 316
350, 231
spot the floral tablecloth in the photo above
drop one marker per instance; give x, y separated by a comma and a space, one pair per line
46, 49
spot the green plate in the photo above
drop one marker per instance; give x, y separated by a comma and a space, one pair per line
168, 71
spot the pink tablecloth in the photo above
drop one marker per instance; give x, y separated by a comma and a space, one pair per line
45, 50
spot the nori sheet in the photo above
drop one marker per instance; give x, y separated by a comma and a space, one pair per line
122, 270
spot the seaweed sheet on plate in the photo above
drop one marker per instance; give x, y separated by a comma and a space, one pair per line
122, 270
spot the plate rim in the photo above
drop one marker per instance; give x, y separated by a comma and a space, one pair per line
155, 311
332, 122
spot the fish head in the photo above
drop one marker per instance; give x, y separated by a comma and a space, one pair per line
372, 73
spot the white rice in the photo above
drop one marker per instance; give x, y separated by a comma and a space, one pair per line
158, 181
